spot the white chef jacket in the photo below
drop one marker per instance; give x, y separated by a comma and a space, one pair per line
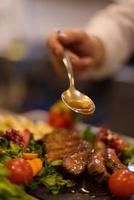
115, 27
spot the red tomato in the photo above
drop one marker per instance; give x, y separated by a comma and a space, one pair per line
20, 171
57, 121
121, 183
61, 120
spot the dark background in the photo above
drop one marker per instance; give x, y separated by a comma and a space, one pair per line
28, 85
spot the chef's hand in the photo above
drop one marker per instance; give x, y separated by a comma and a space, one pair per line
85, 51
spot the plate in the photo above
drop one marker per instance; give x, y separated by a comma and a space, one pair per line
86, 188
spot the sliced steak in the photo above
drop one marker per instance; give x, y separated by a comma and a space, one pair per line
61, 138
59, 154
112, 160
76, 162
96, 166
62, 142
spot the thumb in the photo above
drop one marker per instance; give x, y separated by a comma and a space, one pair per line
71, 37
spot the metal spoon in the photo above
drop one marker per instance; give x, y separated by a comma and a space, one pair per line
72, 98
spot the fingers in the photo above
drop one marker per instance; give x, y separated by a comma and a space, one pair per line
71, 37
55, 46
70, 40
80, 63
57, 42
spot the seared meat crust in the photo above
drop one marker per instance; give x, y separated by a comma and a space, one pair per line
61, 142
112, 160
59, 139
77, 155
96, 166
76, 162
102, 163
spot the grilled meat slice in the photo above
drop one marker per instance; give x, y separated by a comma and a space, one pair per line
76, 155
112, 160
61, 142
102, 163
59, 139
62, 145
96, 166
76, 162
59, 154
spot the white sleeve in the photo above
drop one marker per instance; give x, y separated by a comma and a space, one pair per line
115, 27
6, 23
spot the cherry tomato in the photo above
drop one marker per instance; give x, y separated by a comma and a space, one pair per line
121, 183
61, 119
20, 171
56, 120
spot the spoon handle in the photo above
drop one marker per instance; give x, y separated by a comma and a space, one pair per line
68, 65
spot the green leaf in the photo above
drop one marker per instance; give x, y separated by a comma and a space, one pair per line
77, 117
3, 143
34, 147
56, 163
9, 151
3, 171
89, 135
4, 158
34, 184
128, 155
43, 172
49, 180
15, 149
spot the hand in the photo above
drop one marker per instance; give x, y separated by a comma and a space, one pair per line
85, 51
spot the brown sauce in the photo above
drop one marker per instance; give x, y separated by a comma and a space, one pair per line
84, 107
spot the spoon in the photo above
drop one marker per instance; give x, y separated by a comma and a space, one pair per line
73, 98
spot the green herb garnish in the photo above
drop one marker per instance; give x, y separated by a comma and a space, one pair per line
51, 179
128, 155
34, 147
89, 135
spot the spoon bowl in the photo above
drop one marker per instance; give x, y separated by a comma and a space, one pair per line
73, 98
78, 102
